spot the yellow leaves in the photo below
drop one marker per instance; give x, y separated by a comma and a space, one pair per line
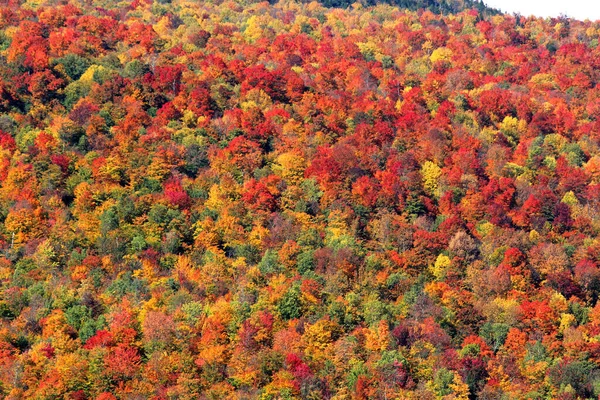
441, 54
534, 371
288, 253
26, 138
592, 32
459, 388
594, 315
5, 269
217, 198
558, 302
543, 81
512, 128
72, 367
283, 382
213, 354
555, 142
318, 339
113, 169
60, 122
79, 273
422, 354
534, 236
294, 132
158, 169
44, 256
87, 222
163, 27
301, 23
257, 235
55, 327
431, 174
558, 27
221, 311
485, 228
205, 233
254, 28
502, 310
398, 105
498, 373
370, 50
256, 98
566, 321
378, 339
440, 266
24, 223
148, 271
570, 199
337, 231
592, 167
91, 72
419, 66
241, 369
185, 268
290, 167
278, 285
189, 120
229, 229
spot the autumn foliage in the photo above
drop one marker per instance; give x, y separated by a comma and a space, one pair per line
234, 200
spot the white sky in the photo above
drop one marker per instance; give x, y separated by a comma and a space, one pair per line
579, 9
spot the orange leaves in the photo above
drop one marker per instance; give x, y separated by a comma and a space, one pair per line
538, 315
122, 361
30, 45
25, 222
241, 154
213, 346
366, 191
318, 340
158, 327
295, 201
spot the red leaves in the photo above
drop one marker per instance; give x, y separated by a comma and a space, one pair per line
257, 77
106, 396
92, 196
260, 195
42, 84
48, 351
495, 102
168, 78
537, 315
199, 100
30, 45
176, 195
7, 142
83, 111
62, 161
324, 166
298, 368
123, 361
102, 338
366, 190
587, 273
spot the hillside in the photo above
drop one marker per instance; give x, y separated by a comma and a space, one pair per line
288, 201
435, 6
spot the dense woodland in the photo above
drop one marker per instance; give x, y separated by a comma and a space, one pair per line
436, 6
284, 201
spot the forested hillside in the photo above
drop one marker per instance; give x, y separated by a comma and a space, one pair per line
283, 201
436, 6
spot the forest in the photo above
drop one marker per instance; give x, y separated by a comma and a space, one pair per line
231, 199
